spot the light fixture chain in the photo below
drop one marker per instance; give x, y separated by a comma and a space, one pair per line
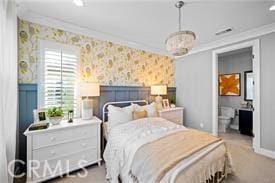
181, 42
179, 18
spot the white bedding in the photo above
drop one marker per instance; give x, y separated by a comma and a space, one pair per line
124, 140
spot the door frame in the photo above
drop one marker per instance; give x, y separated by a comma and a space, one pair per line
255, 44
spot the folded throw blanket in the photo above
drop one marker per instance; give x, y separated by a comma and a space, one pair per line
153, 160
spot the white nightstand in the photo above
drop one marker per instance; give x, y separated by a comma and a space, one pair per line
172, 114
65, 147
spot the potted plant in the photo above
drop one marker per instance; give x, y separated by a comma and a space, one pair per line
55, 115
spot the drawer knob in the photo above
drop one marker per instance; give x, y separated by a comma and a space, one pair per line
52, 152
52, 138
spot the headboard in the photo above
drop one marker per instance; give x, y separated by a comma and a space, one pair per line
124, 93
120, 104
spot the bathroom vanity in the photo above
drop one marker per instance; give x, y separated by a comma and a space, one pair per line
246, 121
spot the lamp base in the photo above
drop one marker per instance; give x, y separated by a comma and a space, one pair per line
87, 109
158, 100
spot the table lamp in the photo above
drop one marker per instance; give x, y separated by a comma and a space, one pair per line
88, 90
158, 90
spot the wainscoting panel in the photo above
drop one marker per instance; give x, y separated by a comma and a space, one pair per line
133, 95
27, 102
125, 93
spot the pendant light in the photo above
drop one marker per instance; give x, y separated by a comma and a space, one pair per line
181, 42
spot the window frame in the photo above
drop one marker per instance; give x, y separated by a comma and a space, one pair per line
42, 46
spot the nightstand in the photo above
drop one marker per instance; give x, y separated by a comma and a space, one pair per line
172, 114
62, 148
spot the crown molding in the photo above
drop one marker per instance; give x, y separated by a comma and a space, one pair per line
25, 14
250, 34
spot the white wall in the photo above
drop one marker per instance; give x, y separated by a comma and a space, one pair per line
194, 88
268, 92
194, 91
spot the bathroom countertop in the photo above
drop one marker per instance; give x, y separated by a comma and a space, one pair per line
246, 109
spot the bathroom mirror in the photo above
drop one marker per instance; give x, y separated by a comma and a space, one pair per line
248, 85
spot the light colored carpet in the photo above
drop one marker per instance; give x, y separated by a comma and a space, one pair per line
250, 167
95, 175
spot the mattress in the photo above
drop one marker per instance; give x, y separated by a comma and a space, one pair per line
198, 167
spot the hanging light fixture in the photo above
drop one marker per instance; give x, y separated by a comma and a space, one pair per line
181, 42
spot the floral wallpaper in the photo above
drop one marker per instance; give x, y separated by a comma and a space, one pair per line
100, 61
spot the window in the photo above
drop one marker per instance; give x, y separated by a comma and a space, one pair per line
58, 76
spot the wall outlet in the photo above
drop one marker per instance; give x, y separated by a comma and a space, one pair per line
201, 125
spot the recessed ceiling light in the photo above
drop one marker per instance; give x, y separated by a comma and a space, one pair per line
78, 2
272, 8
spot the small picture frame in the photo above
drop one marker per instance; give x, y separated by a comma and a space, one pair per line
39, 115
165, 103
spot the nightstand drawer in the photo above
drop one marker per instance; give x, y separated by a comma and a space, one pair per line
57, 137
60, 150
176, 120
59, 166
172, 114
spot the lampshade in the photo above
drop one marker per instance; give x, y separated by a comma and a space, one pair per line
180, 43
89, 89
158, 90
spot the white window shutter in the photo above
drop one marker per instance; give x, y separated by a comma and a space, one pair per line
58, 83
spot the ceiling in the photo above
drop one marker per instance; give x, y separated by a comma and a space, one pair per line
148, 23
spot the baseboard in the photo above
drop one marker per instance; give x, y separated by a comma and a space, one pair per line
266, 152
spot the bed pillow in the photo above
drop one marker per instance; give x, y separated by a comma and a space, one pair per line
139, 114
150, 109
119, 115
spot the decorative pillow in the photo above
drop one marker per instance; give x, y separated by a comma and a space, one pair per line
139, 114
138, 108
150, 109
118, 115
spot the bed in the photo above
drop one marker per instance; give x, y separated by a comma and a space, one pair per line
148, 150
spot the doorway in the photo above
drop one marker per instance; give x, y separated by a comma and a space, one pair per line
254, 46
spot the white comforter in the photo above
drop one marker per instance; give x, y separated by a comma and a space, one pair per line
124, 140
